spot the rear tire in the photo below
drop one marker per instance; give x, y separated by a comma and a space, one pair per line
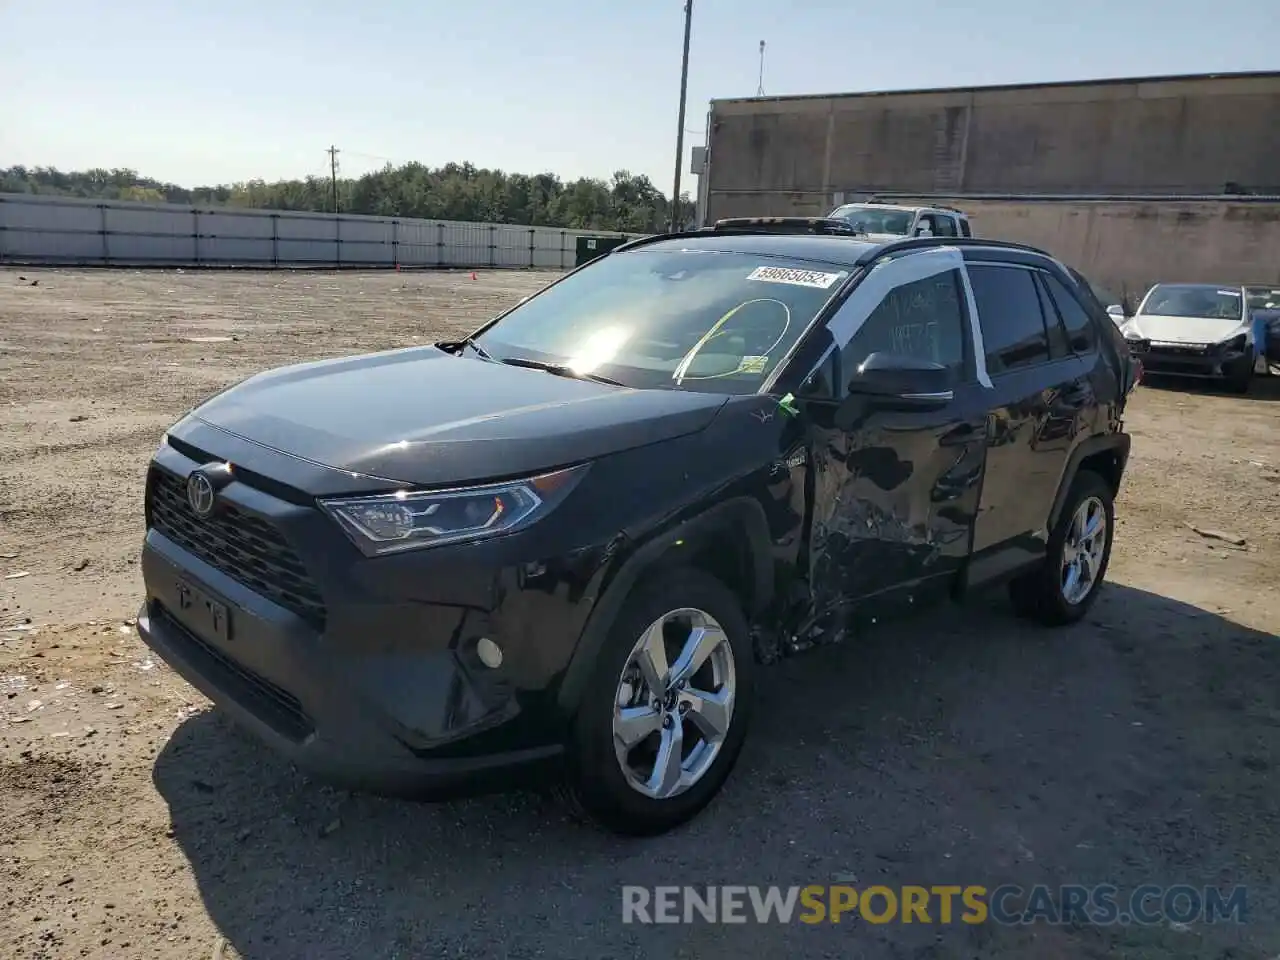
602, 781
1051, 593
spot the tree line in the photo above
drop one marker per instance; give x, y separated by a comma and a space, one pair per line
457, 191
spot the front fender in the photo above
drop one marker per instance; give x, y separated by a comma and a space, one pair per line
740, 515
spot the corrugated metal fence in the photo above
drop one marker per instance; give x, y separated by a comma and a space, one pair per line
38, 229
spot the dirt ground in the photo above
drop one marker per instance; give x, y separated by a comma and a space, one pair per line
1141, 746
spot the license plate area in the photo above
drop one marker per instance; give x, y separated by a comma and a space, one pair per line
200, 612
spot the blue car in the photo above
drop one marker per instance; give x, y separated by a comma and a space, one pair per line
1264, 307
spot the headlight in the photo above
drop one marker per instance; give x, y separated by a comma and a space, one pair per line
1237, 343
406, 520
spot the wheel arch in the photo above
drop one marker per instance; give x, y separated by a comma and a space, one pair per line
729, 540
1105, 455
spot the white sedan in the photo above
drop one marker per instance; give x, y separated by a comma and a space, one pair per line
1195, 330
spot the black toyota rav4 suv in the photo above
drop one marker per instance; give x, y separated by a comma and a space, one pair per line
569, 541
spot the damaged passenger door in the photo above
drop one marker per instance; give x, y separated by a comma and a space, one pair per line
898, 445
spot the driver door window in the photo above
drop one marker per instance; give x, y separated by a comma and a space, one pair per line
920, 316
943, 226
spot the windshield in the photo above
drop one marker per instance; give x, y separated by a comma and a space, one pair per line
875, 219
1193, 300
679, 319
1263, 298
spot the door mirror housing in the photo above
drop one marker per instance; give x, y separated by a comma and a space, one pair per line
894, 381
1117, 311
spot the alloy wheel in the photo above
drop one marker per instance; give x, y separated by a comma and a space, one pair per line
674, 703
1083, 549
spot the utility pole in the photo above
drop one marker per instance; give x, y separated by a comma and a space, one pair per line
684, 86
333, 176
760, 85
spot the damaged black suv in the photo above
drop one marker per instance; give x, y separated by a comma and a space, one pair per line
569, 541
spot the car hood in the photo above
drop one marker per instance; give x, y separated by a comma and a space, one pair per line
1185, 329
423, 416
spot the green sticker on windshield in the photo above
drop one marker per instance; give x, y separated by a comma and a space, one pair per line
753, 364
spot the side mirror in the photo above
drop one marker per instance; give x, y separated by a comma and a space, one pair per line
1117, 311
924, 230
897, 382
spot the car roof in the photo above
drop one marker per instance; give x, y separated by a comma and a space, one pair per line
843, 251
840, 249
1201, 286
876, 205
881, 206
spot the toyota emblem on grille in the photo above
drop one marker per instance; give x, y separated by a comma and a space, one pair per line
200, 494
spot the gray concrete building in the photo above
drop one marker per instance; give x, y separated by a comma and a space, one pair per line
1132, 180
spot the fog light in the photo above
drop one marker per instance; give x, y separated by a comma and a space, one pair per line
489, 652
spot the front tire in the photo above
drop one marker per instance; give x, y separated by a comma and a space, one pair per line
1063, 588
1241, 383
666, 711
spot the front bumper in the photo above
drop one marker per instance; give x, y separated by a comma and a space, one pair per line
363, 671
340, 747
1211, 362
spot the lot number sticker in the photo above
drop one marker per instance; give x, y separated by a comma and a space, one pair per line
797, 278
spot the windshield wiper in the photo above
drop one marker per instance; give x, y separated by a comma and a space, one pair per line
559, 369
481, 352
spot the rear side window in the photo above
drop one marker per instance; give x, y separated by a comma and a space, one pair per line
1059, 345
1080, 331
1013, 329
965, 230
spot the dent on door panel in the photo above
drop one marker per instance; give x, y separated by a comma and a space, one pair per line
895, 493
888, 509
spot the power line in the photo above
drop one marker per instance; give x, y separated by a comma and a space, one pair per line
372, 156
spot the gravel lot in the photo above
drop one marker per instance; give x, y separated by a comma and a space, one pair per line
1138, 747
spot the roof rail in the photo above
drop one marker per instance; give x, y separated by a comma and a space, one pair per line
749, 226
645, 241
925, 243
818, 225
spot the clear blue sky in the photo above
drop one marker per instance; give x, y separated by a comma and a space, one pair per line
199, 93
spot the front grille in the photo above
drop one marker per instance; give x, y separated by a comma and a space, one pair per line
249, 550
1180, 349
275, 706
